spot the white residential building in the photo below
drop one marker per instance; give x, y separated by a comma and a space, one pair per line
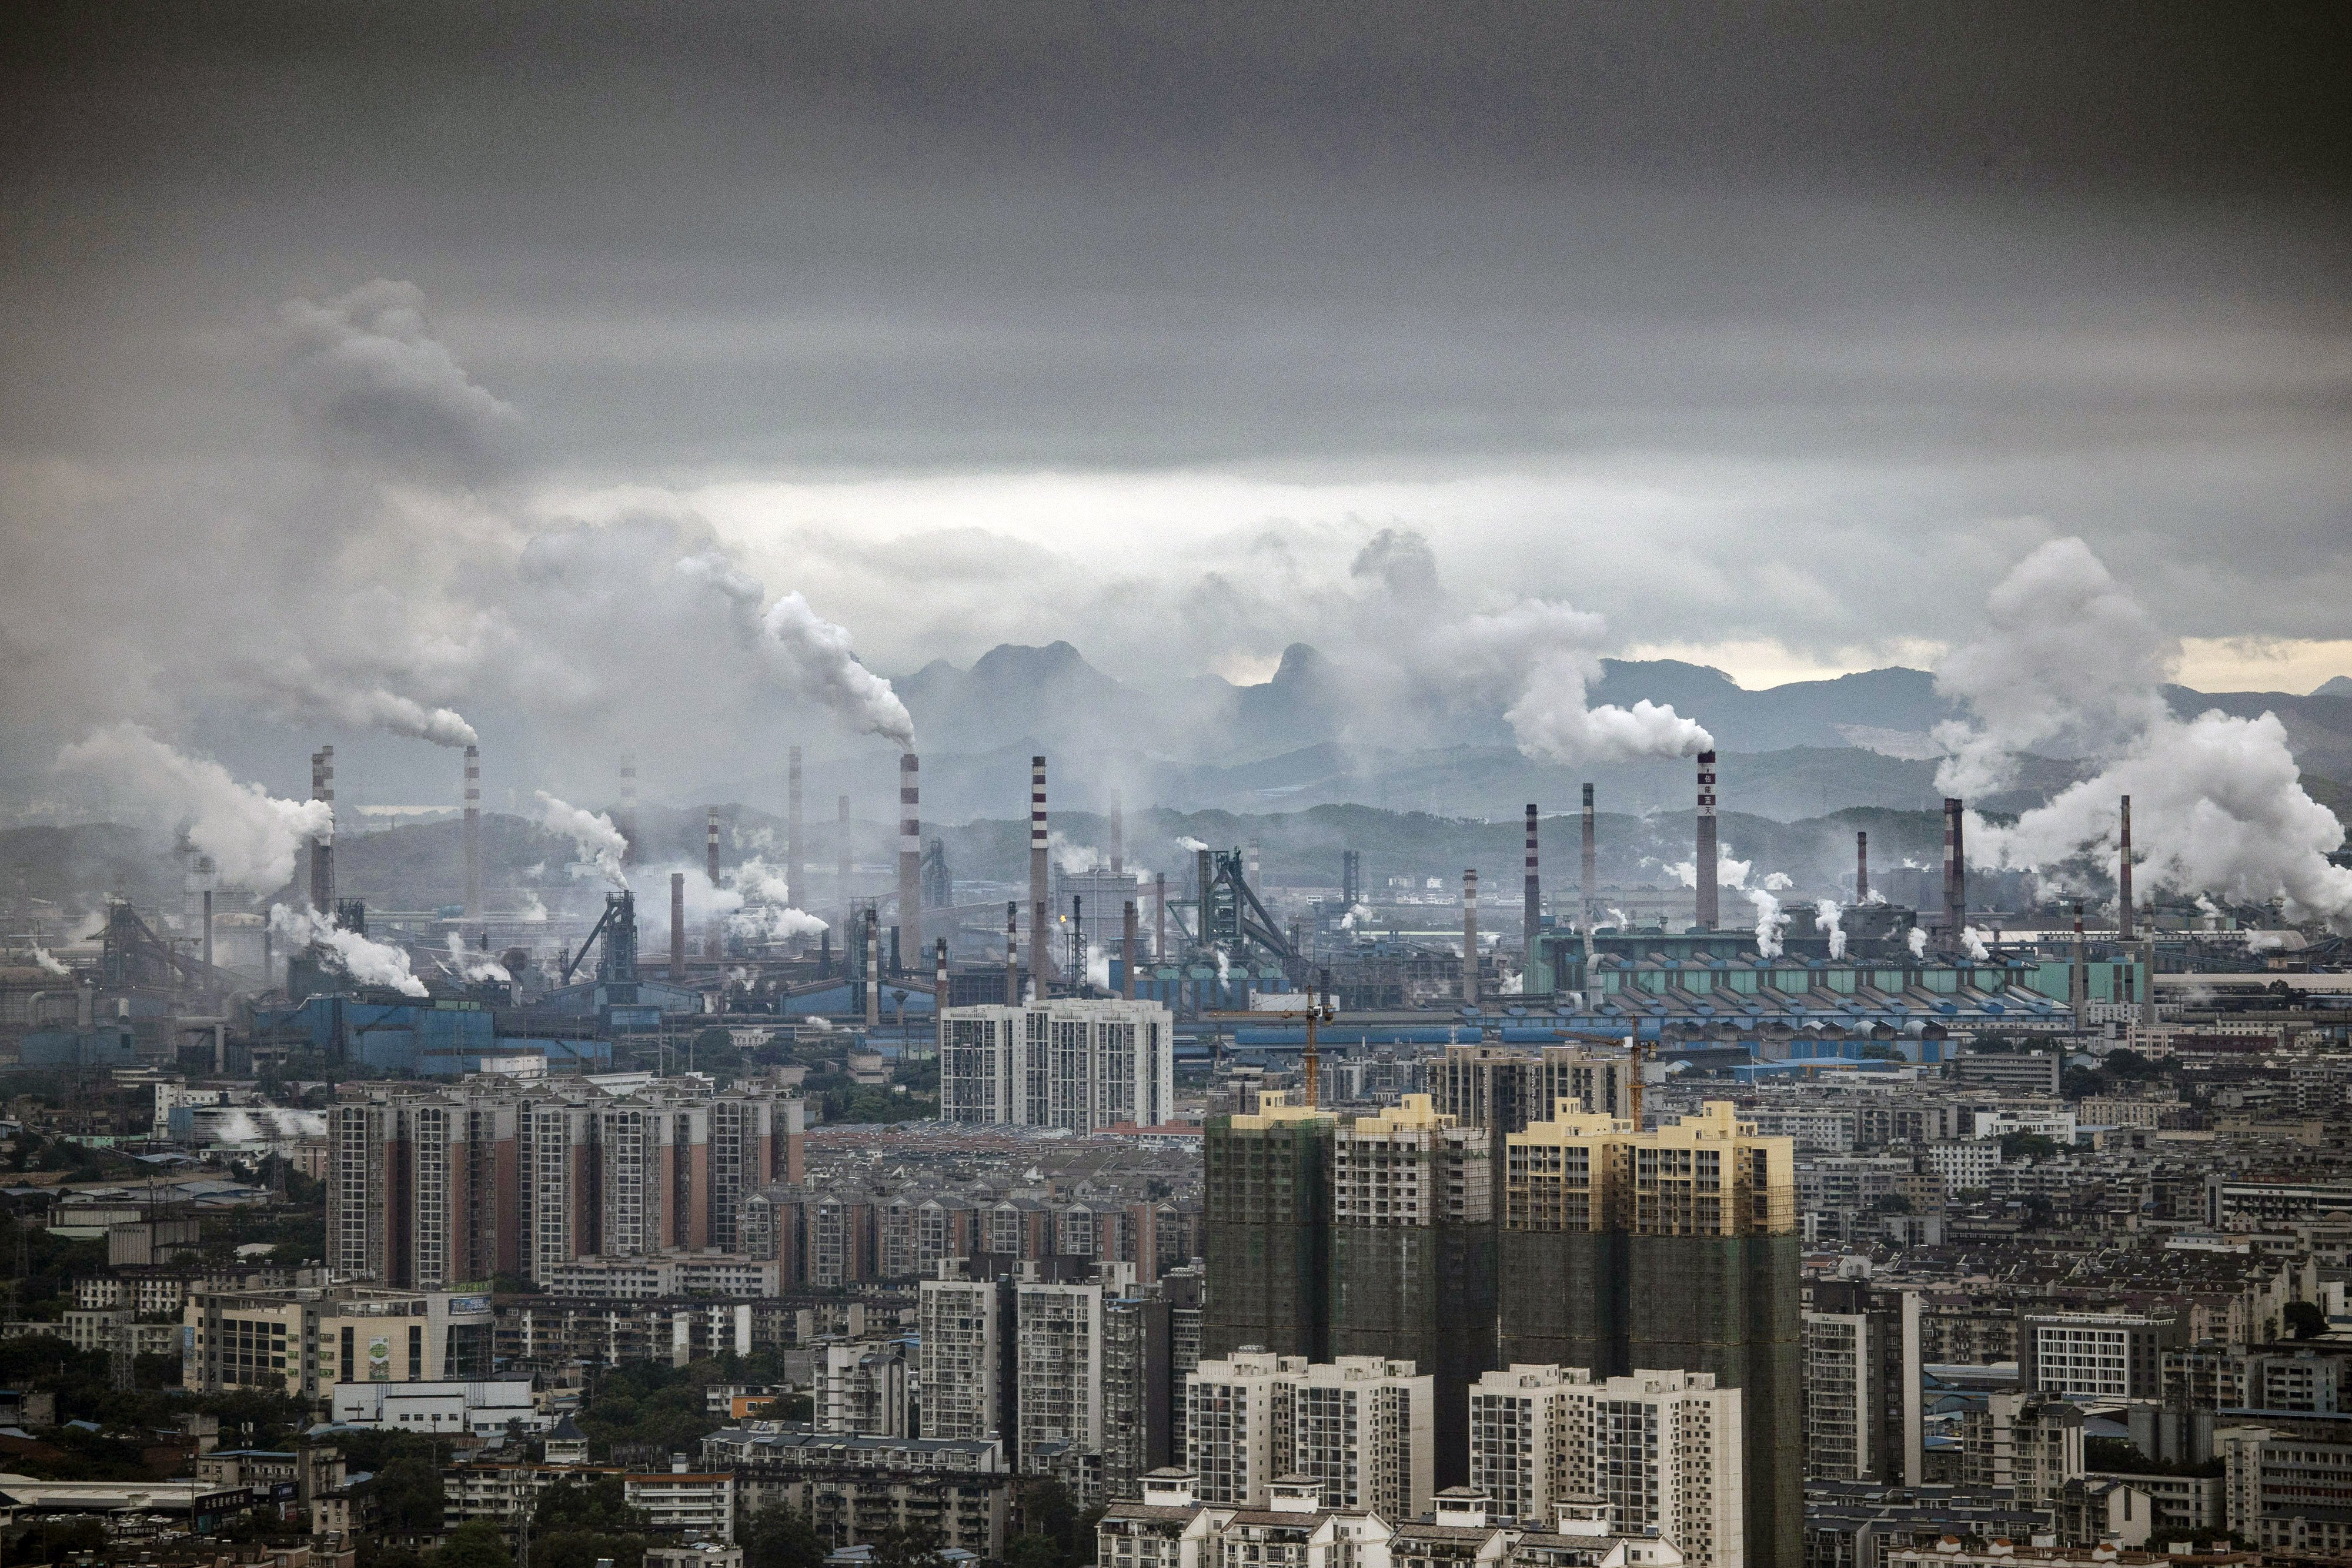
1658, 1450
1966, 1163
962, 1327
1080, 1065
1361, 1426
1057, 1341
867, 1389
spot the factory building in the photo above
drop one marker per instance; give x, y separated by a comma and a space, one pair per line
1674, 1247
1080, 1065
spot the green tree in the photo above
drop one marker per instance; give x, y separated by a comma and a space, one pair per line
408, 1490
782, 1538
476, 1544
907, 1546
2027, 1146
598, 1505
2306, 1319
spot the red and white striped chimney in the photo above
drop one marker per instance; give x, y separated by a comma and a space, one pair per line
1041, 943
1710, 911
910, 855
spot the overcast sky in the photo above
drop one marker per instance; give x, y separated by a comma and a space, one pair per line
1774, 335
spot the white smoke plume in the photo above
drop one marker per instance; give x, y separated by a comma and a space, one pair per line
597, 841
472, 966
1190, 846
1917, 940
755, 899
1778, 882
251, 835
534, 911
1074, 859
1622, 921
48, 961
1355, 913
1876, 897
1768, 922
366, 962
301, 690
260, 1123
2217, 801
1098, 966
368, 364
1728, 873
2070, 665
1973, 941
1224, 969
1549, 654
810, 653
1826, 916
774, 923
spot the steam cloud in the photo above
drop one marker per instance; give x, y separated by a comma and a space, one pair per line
810, 653
1917, 940
368, 365
251, 834
1826, 916
1973, 941
1728, 873
1190, 846
1768, 922
48, 961
2218, 801
475, 966
592, 835
368, 963
1550, 653
307, 691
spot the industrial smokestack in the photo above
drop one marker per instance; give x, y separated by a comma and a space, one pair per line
1041, 956
1011, 953
842, 868
323, 850
1118, 836
1532, 917
1250, 872
628, 823
677, 927
2078, 975
795, 849
714, 933
2123, 875
1160, 917
208, 928
940, 988
910, 853
1584, 916
1126, 950
473, 832
1861, 869
873, 970
1470, 938
1956, 869
1709, 911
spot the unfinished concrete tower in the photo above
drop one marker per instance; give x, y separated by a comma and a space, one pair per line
714, 932
1470, 938
473, 832
1709, 911
1041, 914
1588, 890
1531, 918
2123, 873
910, 855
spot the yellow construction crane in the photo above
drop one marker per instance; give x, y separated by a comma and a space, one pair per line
1314, 1013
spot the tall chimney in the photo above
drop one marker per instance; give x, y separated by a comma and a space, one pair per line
1533, 916
1128, 951
628, 823
1861, 869
677, 927
2078, 973
1709, 909
208, 928
1160, 917
322, 848
1956, 869
714, 931
1470, 938
940, 988
473, 832
2122, 876
1118, 836
795, 849
1584, 916
1011, 953
842, 863
910, 855
1251, 874
1041, 956
873, 969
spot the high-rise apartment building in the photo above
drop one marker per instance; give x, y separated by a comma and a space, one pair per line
1077, 1065
1865, 1410
1138, 1389
1503, 1088
1266, 1231
867, 1389
2022, 1440
1057, 1341
433, 1186
1661, 1452
1674, 1247
1358, 1427
962, 1329
1412, 1254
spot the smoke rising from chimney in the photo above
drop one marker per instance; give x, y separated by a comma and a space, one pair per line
252, 836
597, 841
811, 654
366, 962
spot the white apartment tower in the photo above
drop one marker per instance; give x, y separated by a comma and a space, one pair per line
1058, 1372
1080, 1065
1361, 1427
962, 1328
1659, 1450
